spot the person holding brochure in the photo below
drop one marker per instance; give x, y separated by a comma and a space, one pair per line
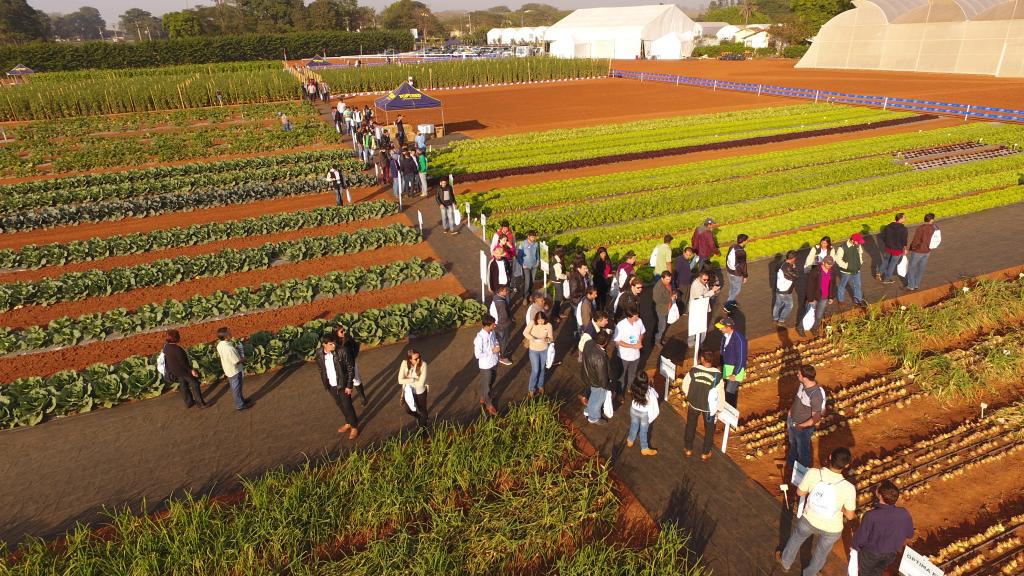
642, 412
807, 409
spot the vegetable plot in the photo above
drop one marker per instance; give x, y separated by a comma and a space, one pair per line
996, 551
480, 500
27, 401
167, 271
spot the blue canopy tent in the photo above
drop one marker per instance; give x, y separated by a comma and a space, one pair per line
318, 62
406, 97
19, 72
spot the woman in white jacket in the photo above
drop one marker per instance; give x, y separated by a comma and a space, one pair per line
412, 376
819, 252
642, 412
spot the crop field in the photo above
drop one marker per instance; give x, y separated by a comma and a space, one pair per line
512, 495
904, 386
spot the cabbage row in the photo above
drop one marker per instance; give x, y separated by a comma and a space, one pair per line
28, 401
168, 271
60, 253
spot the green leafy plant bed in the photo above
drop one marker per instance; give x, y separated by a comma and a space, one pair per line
59, 253
121, 322
567, 145
92, 283
27, 401
501, 496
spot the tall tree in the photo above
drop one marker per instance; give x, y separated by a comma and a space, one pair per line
747, 10
324, 15
407, 14
139, 24
85, 24
814, 13
182, 24
19, 23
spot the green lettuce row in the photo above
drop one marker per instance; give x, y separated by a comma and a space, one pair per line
510, 200
143, 206
169, 271
677, 199
27, 401
354, 171
192, 174
796, 239
121, 322
680, 225
582, 143
60, 253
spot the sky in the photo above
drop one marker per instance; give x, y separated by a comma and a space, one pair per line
112, 9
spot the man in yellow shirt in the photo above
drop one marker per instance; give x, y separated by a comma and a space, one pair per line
663, 256
830, 498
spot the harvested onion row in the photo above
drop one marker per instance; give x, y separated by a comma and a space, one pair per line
999, 549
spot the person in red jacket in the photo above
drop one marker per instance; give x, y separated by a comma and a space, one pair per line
704, 243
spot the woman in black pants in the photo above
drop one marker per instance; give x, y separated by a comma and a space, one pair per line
179, 369
412, 376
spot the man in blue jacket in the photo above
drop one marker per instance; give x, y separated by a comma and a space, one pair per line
734, 359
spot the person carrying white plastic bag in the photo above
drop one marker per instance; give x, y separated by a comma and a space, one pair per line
412, 377
643, 410
822, 288
596, 375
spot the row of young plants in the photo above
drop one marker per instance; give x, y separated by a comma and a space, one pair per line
998, 546
28, 401
144, 206
189, 176
60, 253
31, 157
562, 145
121, 322
168, 271
507, 201
461, 73
510, 495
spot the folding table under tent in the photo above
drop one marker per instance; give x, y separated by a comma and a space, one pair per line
406, 97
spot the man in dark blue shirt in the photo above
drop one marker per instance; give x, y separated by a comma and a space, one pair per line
883, 533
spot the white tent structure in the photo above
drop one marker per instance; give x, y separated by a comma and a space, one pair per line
495, 35
953, 36
661, 31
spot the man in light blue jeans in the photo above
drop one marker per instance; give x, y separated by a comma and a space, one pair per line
595, 375
529, 257
232, 361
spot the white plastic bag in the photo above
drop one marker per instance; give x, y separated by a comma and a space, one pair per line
653, 409
808, 321
348, 196
654, 257
901, 268
565, 289
673, 313
458, 218
551, 356
936, 239
410, 399
608, 410
853, 568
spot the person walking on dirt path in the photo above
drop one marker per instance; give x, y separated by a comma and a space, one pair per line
311, 91
596, 374
804, 414
682, 274
368, 148
286, 124
178, 368
663, 256
486, 350
349, 122
785, 282
579, 285
642, 411
351, 347
830, 498
337, 179
920, 249
499, 271
528, 256
629, 341
410, 173
883, 533
400, 129
821, 291
894, 247
538, 336
704, 243
395, 165
367, 113
421, 168
336, 375
849, 259
232, 358
818, 253
339, 121
598, 323
736, 271
602, 269
664, 299
412, 377
501, 311
558, 278
445, 197
734, 359
701, 388
538, 303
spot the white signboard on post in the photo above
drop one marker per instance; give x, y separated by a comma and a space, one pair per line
799, 471
483, 228
729, 416
667, 368
419, 216
697, 325
914, 564
544, 255
483, 276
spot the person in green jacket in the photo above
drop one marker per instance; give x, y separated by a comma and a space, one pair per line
421, 163
368, 146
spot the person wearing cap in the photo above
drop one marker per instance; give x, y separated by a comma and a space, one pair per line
736, 271
920, 249
785, 281
894, 247
734, 359
849, 259
704, 243
821, 291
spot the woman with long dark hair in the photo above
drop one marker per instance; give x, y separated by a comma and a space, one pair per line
642, 412
412, 376
602, 271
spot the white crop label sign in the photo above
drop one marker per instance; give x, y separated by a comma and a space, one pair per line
914, 564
